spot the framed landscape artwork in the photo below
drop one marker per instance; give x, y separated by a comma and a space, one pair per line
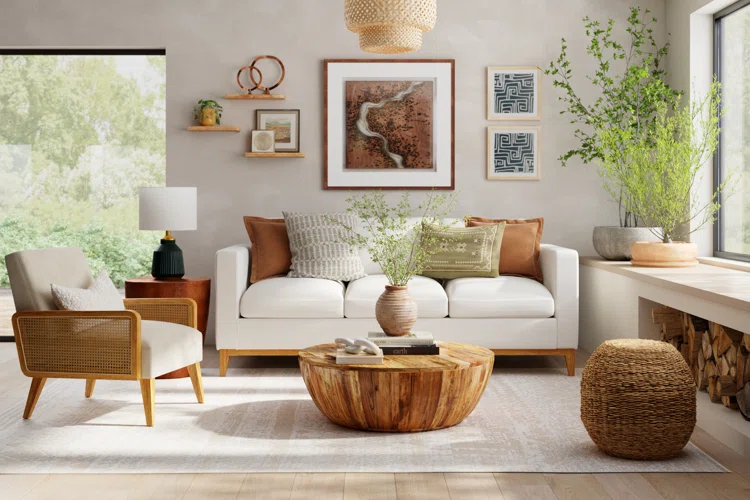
389, 124
285, 125
513, 153
513, 93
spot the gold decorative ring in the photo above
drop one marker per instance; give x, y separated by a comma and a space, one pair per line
257, 84
251, 68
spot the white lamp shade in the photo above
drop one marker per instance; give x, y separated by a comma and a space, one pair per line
168, 208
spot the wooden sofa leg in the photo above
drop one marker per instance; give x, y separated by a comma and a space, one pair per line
570, 361
90, 382
197, 379
147, 391
37, 384
223, 362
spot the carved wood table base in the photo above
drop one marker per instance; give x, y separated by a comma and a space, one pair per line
404, 394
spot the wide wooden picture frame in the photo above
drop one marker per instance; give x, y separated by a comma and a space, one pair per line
513, 93
389, 124
513, 153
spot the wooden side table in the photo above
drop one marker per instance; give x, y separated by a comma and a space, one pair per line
193, 287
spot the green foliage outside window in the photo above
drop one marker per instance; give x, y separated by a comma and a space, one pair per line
78, 136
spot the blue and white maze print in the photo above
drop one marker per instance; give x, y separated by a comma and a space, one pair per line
514, 93
514, 153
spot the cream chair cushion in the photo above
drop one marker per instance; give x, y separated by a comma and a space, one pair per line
501, 297
293, 298
166, 347
31, 273
362, 294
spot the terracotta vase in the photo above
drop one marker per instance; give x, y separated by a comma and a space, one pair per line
396, 311
658, 254
208, 117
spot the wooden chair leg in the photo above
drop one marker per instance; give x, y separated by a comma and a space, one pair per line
197, 379
223, 362
147, 391
90, 382
37, 384
570, 361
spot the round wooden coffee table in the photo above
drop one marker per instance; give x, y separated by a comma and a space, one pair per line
404, 394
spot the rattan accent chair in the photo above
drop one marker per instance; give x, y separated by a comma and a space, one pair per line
148, 339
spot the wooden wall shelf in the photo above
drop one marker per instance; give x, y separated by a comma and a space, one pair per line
251, 97
215, 128
274, 155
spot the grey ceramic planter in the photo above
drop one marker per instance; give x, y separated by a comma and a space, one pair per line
614, 242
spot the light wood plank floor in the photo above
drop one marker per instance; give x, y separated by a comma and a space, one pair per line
735, 485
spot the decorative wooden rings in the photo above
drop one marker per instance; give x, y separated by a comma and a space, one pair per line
257, 83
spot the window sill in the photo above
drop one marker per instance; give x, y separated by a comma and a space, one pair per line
737, 265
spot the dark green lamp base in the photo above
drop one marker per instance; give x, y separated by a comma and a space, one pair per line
168, 261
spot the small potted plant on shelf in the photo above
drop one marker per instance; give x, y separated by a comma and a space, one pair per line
208, 112
631, 82
663, 172
395, 238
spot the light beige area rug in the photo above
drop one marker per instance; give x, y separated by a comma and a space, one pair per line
262, 420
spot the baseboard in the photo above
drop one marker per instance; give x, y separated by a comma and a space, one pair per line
7, 338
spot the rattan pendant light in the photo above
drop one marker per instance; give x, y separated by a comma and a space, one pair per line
390, 26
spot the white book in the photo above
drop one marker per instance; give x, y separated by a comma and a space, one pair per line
413, 338
361, 358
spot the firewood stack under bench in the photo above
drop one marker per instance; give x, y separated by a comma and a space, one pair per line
718, 356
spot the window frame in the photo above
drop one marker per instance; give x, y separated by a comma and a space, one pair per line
717, 165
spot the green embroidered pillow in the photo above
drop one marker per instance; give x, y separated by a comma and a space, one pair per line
464, 252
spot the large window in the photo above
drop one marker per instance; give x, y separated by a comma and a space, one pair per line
79, 134
732, 60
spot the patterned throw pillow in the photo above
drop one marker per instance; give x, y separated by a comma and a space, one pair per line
100, 296
465, 252
317, 249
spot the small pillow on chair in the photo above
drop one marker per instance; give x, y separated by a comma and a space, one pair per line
100, 296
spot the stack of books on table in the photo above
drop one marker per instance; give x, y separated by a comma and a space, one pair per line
414, 343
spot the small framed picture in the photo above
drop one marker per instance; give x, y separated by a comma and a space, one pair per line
285, 125
513, 153
513, 92
262, 141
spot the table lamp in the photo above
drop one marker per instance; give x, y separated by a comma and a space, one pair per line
168, 209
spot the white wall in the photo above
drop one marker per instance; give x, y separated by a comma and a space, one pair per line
208, 40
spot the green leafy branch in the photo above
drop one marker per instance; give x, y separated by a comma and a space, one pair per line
208, 104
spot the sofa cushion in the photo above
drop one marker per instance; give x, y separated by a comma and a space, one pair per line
293, 298
519, 251
362, 294
270, 251
166, 347
462, 252
501, 297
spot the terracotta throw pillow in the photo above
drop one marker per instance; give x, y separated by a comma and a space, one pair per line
270, 251
519, 251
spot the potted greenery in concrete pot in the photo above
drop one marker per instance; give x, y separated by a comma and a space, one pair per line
393, 236
664, 170
208, 112
631, 86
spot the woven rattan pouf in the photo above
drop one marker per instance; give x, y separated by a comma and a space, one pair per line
638, 399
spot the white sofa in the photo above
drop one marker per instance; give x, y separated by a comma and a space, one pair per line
510, 315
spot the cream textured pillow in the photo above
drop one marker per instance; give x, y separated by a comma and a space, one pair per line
317, 250
100, 296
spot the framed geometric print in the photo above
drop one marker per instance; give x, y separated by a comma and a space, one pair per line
513, 93
513, 153
389, 124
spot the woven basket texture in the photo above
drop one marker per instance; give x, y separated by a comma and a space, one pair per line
390, 26
638, 399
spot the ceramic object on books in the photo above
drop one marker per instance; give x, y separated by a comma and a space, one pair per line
658, 254
396, 311
404, 394
615, 243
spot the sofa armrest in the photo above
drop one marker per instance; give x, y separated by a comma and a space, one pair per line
232, 272
560, 270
